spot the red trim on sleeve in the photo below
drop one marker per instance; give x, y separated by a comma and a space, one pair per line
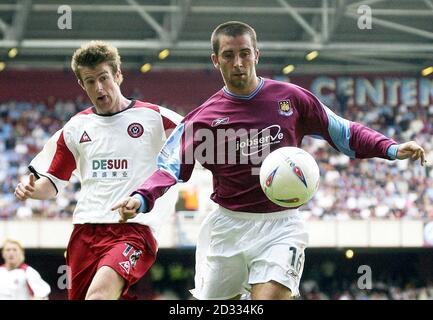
24, 266
63, 163
86, 111
168, 124
141, 104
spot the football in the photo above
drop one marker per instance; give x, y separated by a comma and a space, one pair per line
289, 177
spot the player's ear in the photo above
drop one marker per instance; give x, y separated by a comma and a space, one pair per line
257, 55
215, 62
118, 77
81, 84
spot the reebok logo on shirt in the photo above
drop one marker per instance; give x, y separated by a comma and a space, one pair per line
220, 121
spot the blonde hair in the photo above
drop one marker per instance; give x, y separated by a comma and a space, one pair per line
10, 240
93, 53
17, 243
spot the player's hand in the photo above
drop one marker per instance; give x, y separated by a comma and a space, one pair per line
24, 191
411, 150
127, 208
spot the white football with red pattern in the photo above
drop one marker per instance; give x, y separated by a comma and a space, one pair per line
289, 177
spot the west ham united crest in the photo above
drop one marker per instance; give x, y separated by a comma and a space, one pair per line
285, 108
135, 130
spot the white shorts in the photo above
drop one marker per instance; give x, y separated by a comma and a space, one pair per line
238, 249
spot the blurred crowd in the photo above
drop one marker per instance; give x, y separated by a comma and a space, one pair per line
359, 189
379, 291
376, 188
173, 283
382, 292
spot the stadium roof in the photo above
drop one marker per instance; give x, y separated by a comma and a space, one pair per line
400, 38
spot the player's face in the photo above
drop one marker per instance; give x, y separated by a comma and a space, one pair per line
237, 59
102, 87
12, 255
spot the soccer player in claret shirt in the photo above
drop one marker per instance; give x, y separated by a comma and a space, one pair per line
109, 146
249, 244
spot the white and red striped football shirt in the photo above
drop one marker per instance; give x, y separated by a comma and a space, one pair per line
22, 283
111, 156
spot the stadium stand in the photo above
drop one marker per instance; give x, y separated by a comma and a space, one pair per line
350, 189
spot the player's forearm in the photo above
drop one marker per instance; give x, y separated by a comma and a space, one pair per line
44, 189
155, 186
368, 143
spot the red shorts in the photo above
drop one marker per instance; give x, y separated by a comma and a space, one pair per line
129, 249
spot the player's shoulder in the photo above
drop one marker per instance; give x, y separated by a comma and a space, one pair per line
294, 92
76, 123
165, 114
78, 118
24, 266
30, 270
291, 88
216, 98
206, 107
154, 107
89, 111
148, 106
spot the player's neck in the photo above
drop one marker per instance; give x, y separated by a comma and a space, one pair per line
245, 91
124, 103
120, 105
12, 266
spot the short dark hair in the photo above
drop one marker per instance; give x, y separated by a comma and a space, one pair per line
232, 29
93, 53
